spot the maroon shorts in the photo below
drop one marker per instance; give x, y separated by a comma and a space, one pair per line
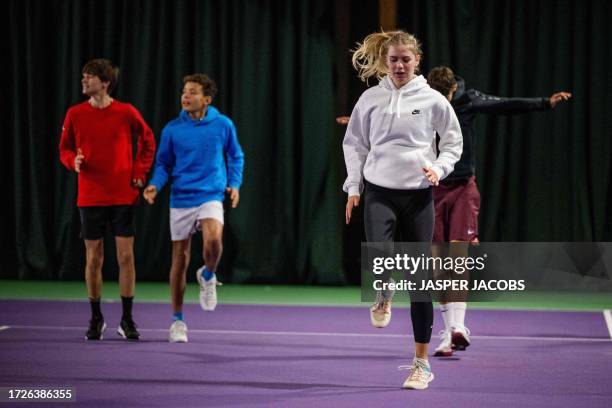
457, 204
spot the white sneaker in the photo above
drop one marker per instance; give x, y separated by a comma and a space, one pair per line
178, 332
208, 291
445, 348
460, 337
419, 378
380, 312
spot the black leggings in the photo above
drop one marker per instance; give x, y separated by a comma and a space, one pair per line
408, 214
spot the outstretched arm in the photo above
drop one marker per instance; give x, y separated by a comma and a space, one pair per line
559, 97
483, 103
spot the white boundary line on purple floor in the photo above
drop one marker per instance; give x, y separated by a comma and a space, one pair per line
329, 334
4, 327
608, 318
403, 305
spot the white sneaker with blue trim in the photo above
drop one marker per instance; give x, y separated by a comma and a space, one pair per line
178, 332
420, 376
208, 291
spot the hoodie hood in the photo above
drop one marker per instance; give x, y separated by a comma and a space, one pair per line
398, 95
414, 85
461, 98
212, 114
460, 87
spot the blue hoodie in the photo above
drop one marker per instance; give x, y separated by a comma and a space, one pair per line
193, 153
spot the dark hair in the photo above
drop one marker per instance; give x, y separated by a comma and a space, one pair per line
442, 79
103, 69
209, 88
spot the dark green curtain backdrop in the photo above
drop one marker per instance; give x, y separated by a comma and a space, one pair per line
273, 65
543, 176
283, 71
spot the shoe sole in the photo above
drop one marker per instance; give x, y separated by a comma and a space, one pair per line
379, 324
443, 353
409, 387
101, 333
208, 309
121, 333
459, 341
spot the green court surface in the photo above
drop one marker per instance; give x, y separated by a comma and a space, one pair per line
286, 295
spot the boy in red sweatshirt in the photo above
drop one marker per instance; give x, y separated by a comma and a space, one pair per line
96, 143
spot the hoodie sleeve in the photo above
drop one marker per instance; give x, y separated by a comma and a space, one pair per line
234, 157
67, 146
165, 161
356, 146
482, 103
145, 151
450, 146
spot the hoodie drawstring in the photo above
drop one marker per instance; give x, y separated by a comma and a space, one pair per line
414, 86
395, 107
399, 98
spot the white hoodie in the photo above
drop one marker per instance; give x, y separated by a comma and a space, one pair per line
391, 136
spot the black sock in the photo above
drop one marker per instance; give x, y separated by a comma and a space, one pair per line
127, 307
96, 313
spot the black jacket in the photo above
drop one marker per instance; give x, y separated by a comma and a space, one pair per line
471, 102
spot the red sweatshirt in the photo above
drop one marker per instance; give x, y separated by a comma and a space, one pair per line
105, 138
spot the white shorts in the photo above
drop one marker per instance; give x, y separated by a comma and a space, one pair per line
184, 222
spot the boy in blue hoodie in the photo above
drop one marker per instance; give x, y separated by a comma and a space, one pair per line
200, 153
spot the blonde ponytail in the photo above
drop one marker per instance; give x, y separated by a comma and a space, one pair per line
369, 59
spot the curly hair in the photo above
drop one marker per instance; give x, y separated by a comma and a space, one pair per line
209, 87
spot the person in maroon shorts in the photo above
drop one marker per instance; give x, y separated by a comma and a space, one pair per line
456, 198
96, 143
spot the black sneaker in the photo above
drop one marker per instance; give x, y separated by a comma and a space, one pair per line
127, 330
96, 329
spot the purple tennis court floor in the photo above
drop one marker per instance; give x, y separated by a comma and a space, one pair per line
289, 356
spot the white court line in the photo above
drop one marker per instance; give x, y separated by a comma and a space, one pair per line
4, 327
361, 305
608, 317
324, 334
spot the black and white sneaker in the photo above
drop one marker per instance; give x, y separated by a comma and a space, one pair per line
96, 329
127, 330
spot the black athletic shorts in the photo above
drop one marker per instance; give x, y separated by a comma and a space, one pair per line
95, 220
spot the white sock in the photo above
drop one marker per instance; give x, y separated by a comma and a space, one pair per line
447, 315
459, 313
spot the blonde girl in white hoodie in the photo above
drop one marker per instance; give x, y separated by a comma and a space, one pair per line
391, 157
